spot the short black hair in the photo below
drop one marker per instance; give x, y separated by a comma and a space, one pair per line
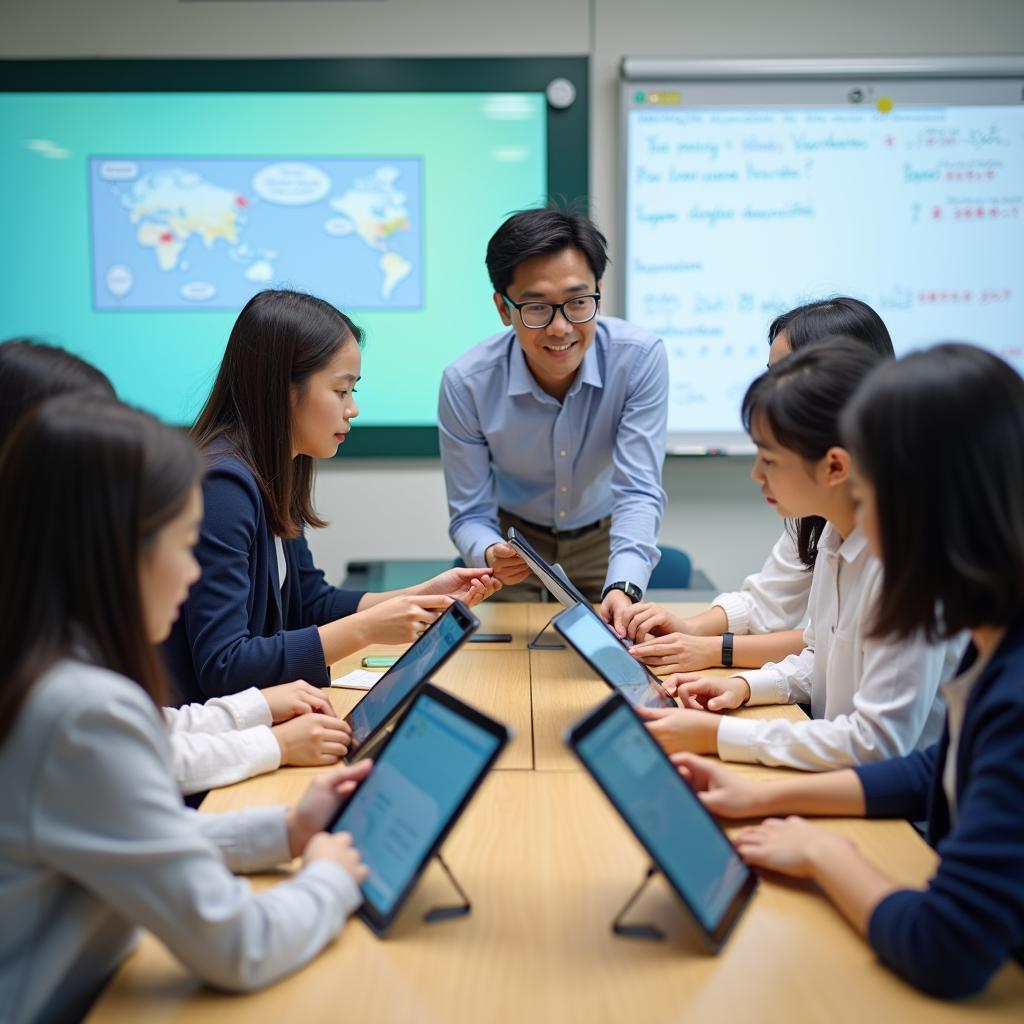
801, 399
840, 314
939, 436
541, 232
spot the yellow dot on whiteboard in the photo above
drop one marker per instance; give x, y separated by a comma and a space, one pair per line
884, 104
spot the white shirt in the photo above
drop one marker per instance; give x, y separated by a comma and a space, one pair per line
957, 693
95, 843
870, 698
225, 740
282, 564
774, 599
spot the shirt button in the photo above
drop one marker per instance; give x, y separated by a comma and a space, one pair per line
561, 515
563, 489
563, 453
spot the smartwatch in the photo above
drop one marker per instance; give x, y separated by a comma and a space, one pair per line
631, 590
727, 650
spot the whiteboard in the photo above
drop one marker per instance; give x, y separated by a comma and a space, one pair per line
751, 187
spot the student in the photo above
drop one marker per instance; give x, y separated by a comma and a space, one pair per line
262, 613
937, 441
762, 621
94, 840
227, 739
556, 426
870, 699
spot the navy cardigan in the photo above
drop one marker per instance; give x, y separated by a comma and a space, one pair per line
952, 937
239, 628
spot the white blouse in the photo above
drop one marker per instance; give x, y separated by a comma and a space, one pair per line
870, 698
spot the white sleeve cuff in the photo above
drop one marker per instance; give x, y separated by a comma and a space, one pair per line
251, 840
263, 752
249, 708
737, 739
766, 686
737, 613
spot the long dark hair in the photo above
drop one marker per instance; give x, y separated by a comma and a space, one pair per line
801, 399
85, 485
31, 372
939, 435
839, 315
280, 339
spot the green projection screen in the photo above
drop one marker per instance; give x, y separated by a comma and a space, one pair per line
146, 201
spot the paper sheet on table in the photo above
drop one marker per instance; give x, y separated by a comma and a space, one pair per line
358, 679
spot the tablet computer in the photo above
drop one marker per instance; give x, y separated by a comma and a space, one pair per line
558, 585
422, 781
601, 648
684, 841
370, 717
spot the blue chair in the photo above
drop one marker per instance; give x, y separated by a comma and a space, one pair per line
673, 571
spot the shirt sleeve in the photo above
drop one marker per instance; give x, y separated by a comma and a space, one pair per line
950, 938
468, 473
226, 657
638, 499
321, 602
900, 786
106, 812
891, 705
206, 760
774, 599
220, 714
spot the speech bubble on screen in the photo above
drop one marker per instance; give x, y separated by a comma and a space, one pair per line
291, 183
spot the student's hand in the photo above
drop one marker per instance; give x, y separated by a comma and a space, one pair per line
615, 609
711, 693
299, 698
678, 729
720, 790
401, 620
507, 564
791, 847
470, 586
323, 798
338, 849
313, 740
647, 617
678, 652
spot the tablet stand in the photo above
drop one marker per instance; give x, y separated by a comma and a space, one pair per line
637, 931
537, 644
456, 910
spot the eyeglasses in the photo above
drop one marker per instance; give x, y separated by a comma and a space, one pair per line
578, 310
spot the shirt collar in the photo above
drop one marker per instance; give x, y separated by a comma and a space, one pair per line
522, 382
848, 550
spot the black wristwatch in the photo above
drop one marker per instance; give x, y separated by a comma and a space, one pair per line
727, 650
631, 590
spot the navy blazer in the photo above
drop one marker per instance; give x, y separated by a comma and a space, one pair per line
950, 939
239, 628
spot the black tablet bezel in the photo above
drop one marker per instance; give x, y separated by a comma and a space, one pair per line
652, 679
470, 623
375, 919
714, 940
543, 571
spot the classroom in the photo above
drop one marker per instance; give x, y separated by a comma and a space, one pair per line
513, 512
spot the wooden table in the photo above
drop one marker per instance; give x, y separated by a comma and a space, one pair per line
547, 864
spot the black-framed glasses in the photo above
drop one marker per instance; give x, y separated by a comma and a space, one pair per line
580, 309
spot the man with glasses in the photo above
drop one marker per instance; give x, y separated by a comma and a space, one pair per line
556, 426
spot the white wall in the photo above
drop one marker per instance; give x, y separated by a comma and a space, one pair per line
399, 508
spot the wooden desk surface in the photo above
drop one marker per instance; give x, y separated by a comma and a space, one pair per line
547, 864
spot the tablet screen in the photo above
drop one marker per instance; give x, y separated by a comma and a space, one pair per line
603, 651
417, 664
665, 814
419, 782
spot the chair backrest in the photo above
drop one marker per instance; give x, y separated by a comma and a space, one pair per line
673, 571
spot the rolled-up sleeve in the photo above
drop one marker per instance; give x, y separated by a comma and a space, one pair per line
468, 473
638, 499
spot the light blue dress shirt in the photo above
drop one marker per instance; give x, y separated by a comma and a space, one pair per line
506, 442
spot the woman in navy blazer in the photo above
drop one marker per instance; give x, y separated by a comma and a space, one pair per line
938, 441
262, 613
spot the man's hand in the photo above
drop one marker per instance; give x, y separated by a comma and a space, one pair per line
508, 566
615, 610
